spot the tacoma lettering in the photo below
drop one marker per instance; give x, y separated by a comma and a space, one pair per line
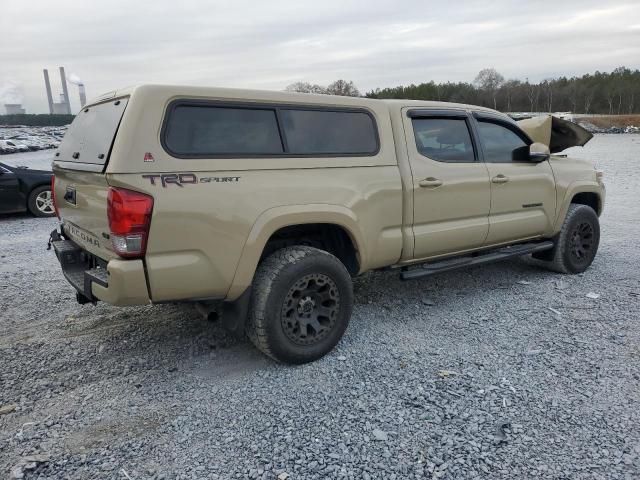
83, 236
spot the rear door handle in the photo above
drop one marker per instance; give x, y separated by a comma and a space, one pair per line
430, 182
500, 179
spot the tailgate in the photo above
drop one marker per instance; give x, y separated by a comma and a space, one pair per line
81, 187
81, 198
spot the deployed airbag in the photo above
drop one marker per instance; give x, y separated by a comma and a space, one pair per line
555, 132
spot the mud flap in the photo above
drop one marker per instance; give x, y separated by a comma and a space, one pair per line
234, 314
231, 315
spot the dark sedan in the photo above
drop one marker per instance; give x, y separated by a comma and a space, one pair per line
23, 189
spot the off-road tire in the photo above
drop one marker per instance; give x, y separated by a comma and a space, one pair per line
580, 229
269, 325
33, 199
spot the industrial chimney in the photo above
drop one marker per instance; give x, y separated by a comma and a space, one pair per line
83, 94
48, 87
65, 92
75, 80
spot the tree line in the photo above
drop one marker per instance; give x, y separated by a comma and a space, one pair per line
339, 87
613, 93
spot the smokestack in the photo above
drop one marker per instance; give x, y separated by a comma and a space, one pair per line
48, 87
75, 80
65, 92
83, 94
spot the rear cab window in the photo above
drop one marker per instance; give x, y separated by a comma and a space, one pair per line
87, 143
212, 130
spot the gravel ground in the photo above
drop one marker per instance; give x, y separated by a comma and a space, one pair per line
505, 371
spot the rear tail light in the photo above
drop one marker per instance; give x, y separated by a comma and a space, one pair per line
53, 196
129, 216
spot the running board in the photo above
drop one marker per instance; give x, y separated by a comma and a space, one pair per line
489, 257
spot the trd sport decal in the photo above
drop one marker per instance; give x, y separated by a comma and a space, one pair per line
182, 179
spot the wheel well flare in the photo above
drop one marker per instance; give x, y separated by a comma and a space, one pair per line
588, 198
324, 236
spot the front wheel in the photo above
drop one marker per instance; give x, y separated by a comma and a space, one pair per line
577, 242
40, 202
301, 304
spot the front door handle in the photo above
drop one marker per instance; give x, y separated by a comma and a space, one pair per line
500, 179
430, 182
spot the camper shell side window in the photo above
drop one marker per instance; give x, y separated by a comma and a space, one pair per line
208, 129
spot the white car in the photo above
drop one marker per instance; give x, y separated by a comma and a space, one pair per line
7, 147
31, 142
19, 147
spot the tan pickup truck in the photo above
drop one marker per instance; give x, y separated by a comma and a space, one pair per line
268, 203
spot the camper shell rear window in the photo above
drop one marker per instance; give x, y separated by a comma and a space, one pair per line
201, 129
90, 136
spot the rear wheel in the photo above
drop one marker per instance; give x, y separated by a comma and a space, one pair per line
301, 304
577, 243
40, 202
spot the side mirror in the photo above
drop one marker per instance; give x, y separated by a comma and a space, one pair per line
538, 152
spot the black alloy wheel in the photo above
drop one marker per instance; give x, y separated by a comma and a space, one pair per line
310, 309
581, 241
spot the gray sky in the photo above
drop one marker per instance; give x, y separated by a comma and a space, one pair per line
272, 43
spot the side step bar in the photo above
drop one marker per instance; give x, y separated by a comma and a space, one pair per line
467, 261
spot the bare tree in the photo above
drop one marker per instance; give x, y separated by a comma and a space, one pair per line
510, 89
574, 93
438, 92
344, 88
610, 96
533, 94
547, 87
489, 80
588, 98
305, 87
620, 76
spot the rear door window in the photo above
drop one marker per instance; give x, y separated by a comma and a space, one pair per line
444, 139
204, 130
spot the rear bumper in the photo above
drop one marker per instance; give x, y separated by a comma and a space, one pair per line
117, 282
